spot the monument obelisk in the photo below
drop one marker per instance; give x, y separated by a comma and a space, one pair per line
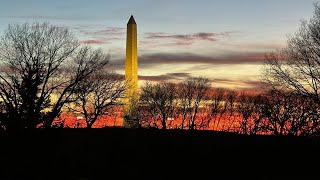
131, 76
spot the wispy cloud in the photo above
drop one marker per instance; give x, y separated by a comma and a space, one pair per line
189, 58
240, 85
177, 43
209, 36
165, 77
153, 43
93, 41
150, 60
99, 34
103, 31
161, 39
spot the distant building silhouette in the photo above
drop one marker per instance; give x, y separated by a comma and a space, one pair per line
131, 75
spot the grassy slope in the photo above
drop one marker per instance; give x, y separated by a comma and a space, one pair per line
109, 152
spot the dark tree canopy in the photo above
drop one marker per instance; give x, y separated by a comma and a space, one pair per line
41, 66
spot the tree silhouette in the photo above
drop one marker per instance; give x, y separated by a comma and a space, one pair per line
245, 108
293, 73
297, 66
251, 112
217, 107
42, 65
159, 102
288, 113
230, 110
96, 93
192, 93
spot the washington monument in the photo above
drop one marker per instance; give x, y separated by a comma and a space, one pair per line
131, 75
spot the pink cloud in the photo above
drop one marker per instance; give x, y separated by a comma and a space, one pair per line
178, 43
93, 41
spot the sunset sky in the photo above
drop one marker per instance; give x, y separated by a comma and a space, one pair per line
222, 40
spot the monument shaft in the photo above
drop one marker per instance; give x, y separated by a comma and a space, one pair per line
131, 75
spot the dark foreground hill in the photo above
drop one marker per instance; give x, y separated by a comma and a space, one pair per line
116, 153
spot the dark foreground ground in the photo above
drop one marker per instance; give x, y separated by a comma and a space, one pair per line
116, 153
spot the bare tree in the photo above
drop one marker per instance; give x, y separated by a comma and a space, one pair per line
277, 111
288, 113
204, 116
297, 66
304, 118
96, 93
185, 95
250, 109
41, 67
217, 107
148, 117
245, 108
294, 73
159, 101
229, 110
192, 93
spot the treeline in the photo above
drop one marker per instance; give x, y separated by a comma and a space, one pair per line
194, 104
46, 71
289, 107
